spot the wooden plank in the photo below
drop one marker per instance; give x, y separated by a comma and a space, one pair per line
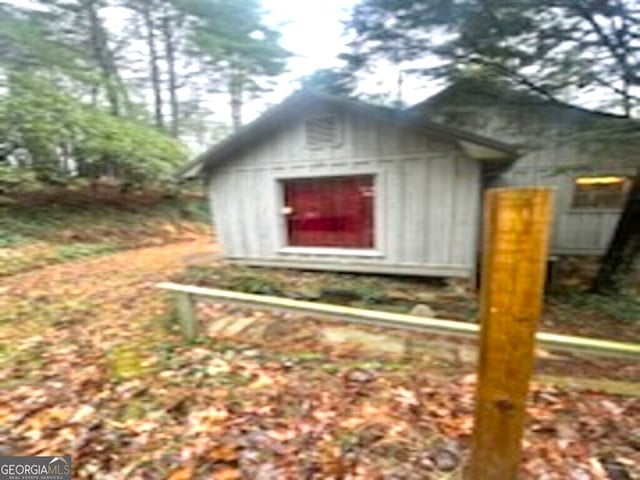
613, 387
398, 320
415, 209
187, 315
217, 205
465, 215
440, 213
516, 234
394, 212
354, 264
569, 343
323, 310
226, 218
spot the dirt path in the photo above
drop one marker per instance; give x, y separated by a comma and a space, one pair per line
137, 265
114, 293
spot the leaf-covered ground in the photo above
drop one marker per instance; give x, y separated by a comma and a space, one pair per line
91, 366
45, 228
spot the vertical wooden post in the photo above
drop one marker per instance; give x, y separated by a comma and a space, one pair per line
516, 233
187, 315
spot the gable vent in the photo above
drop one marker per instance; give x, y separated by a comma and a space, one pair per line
322, 132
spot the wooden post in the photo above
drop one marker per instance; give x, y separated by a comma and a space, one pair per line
187, 315
516, 233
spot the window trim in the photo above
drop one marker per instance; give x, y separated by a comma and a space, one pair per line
598, 209
339, 251
379, 225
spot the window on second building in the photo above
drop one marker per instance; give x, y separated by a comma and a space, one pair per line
606, 191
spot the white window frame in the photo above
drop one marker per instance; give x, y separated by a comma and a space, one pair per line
379, 220
587, 209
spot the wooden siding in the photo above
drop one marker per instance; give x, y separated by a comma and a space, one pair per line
426, 203
549, 160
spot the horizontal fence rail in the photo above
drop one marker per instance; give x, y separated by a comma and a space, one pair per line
187, 294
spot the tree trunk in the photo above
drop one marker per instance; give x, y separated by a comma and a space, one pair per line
235, 93
103, 56
154, 69
170, 54
624, 247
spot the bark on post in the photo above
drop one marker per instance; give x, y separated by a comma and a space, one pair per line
516, 233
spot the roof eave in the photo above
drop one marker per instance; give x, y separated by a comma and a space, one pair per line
262, 124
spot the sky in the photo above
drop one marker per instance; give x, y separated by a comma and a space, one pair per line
313, 30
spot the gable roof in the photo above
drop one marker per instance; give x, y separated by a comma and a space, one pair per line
502, 92
296, 103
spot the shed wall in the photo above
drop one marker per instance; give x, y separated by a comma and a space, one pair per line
551, 158
427, 199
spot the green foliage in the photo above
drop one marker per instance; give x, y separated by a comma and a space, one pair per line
54, 130
258, 284
620, 307
548, 46
85, 222
25, 43
66, 38
133, 151
10, 239
231, 37
197, 211
234, 30
12, 178
75, 251
36, 235
54, 61
78, 109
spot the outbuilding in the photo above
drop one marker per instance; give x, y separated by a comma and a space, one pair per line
585, 155
327, 183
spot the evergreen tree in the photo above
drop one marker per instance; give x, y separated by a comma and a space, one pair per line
339, 82
61, 114
552, 47
71, 93
239, 50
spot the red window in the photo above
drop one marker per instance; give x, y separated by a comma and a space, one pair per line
330, 211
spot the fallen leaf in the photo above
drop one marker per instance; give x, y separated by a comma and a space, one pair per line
228, 473
262, 381
405, 397
224, 453
182, 473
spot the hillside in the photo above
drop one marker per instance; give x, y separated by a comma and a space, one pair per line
46, 228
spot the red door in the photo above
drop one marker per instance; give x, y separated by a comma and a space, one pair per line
330, 211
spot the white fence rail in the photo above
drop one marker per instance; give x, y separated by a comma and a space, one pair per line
186, 295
